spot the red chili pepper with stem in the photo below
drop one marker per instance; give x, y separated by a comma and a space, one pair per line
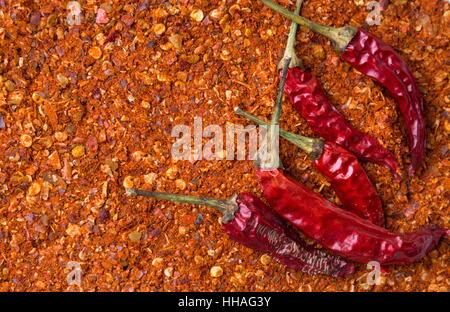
342, 170
379, 61
309, 99
341, 231
247, 220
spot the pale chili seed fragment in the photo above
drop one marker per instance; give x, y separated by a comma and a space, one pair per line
159, 29
26, 140
197, 15
95, 52
216, 271
78, 151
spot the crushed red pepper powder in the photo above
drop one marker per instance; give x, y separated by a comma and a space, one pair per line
86, 110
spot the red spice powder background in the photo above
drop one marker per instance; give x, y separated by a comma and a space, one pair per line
85, 110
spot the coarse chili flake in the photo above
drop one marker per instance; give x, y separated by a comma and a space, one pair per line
54, 91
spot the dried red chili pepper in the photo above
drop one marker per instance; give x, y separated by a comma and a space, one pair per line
309, 99
342, 170
341, 231
247, 220
377, 60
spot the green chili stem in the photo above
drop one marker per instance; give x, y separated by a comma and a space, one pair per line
341, 37
290, 46
279, 103
226, 207
314, 147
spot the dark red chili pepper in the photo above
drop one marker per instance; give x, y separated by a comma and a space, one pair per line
247, 220
308, 98
342, 170
377, 60
374, 58
341, 231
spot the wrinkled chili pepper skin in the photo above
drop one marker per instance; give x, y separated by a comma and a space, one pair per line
308, 98
341, 231
257, 226
350, 182
377, 60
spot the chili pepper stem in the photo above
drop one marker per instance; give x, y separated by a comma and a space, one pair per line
290, 46
272, 158
341, 37
313, 147
226, 207
278, 105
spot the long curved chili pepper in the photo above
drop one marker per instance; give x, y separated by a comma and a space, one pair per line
379, 61
247, 220
341, 231
342, 170
309, 99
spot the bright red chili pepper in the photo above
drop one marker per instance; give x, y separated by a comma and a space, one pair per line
308, 98
341, 231
374, 58
342, 170
247, 220
377, 60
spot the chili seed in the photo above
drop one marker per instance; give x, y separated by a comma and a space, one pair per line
159, 29
34, 189
265, 259
26, 140
10, 86
60, 136
150, 178
180, 184
157, 262
95, 52
176, 40
172, 173
36, 97
135, 236
197, 15
128, 182
168, 272
63, 80
78, 151
15, 98
216, 14
216, 271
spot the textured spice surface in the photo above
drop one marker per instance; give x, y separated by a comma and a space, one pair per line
88, 109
